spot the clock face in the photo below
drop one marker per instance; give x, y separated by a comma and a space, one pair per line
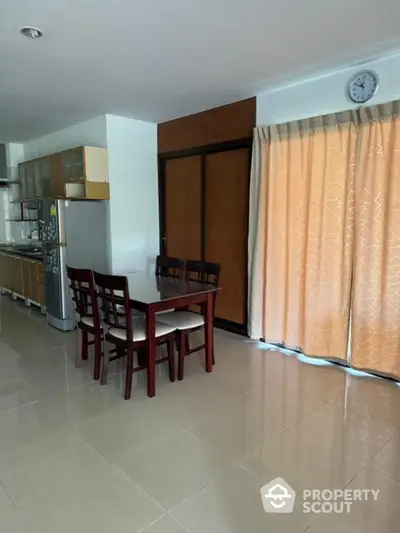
363, 86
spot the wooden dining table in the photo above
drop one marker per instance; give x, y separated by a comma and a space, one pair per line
150, 294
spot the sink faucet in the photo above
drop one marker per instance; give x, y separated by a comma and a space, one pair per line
31, 233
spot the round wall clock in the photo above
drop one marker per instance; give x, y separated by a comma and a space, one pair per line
362, 86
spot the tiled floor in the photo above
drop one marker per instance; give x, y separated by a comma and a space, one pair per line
74, 456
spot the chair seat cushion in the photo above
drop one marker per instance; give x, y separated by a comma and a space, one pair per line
183, 320
139, 331
88, 321
135, 313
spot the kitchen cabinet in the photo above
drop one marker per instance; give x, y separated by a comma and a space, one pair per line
23, 276
77, 173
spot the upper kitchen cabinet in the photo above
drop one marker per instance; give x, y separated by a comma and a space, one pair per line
78, 173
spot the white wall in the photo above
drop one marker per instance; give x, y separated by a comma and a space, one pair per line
327, 94
132, 225
132, 158
90, 133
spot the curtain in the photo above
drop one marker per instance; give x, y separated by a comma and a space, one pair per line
376, 298
301, 233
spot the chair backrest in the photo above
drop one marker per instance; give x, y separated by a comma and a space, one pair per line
113, 293
84, 295
170, 267
203, 271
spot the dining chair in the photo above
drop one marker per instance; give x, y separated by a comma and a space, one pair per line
170, 267
187, 322
84, 296
126, 332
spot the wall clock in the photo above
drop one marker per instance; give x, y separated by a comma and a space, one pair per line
362, 86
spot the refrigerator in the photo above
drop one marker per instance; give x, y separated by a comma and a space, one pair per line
72, 233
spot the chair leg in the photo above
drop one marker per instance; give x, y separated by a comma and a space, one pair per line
213, 358
97, 356
171, 358
79, 348
129, 372
180, 343
85, 345
106, 360
187, 344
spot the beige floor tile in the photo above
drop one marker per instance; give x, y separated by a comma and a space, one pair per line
232, 504
322, 382
85, 402
166, 524
387, 460
381, 404
282, 405
128, 425
12, 522
106, 500
45, 465
303, 462
17, 392
172, 469
239, 431
350, 434
4, 499
382, 515
28, 423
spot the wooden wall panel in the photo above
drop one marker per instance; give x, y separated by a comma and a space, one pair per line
183, 207
226, 222
226, 123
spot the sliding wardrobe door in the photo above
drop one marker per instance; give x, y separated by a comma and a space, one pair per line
182, 207
226, 219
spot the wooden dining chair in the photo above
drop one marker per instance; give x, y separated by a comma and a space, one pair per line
170, 267
127, 333
84, 296
187, 322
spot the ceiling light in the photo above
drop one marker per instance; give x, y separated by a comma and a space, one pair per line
31, 32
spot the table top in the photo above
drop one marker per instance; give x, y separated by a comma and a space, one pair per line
148, 288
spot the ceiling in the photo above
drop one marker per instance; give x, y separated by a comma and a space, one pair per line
162, 59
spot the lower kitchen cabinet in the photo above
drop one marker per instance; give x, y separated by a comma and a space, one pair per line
23, 276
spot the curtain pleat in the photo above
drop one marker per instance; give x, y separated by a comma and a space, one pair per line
301, 233
376, 299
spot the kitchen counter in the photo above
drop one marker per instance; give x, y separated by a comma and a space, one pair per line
28, 250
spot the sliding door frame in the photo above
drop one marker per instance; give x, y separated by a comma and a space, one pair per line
203, 151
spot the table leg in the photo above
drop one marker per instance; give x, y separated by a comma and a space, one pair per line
209, 331
151, 339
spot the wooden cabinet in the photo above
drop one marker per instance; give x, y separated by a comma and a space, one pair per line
204, 214
183, 207
23, 276
80, 172
204, 175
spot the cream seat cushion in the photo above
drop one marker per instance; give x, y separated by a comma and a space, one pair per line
183, 320
139, 331
88, 321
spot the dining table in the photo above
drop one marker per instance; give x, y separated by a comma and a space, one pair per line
151, 294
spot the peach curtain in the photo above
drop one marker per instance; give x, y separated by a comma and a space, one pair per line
301, 233
376, 298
